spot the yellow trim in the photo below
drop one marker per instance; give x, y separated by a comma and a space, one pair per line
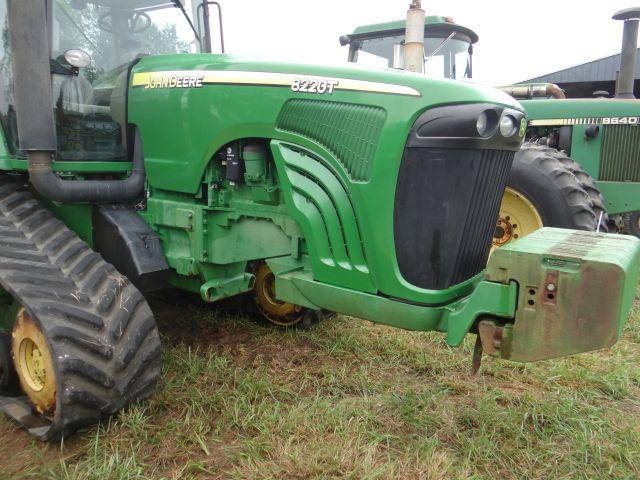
549, 122
145, 79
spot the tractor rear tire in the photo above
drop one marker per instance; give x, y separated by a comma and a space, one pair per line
587, 182
85, 343
542, 191
631, 223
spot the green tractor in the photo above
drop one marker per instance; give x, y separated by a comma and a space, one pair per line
132, 158
579, 166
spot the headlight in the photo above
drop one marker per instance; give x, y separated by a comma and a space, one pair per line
482, 123
487, 123
508, 126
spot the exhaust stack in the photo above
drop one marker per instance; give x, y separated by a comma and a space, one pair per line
414, 38
626, 78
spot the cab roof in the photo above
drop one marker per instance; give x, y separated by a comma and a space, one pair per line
435, 26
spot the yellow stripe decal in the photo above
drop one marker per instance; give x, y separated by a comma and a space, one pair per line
198, 78
551, 123
554, 122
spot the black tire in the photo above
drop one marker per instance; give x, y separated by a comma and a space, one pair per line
631, 223
8, 379
539, 174
101, 334
587, 182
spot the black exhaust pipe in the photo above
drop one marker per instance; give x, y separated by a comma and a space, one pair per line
36, 126
627, 76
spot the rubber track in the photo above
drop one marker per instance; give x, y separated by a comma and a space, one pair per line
99, 326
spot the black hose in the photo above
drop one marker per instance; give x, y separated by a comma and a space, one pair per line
49, 185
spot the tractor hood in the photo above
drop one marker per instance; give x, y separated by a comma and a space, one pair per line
245, 71
374, 138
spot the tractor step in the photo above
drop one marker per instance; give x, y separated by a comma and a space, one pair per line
100, 332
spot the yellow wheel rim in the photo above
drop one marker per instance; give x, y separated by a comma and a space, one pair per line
518, 218
33, 364
280, 313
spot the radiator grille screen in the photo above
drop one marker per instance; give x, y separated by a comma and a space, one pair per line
620, 157
446, 207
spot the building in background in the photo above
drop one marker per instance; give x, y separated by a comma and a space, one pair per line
583, 80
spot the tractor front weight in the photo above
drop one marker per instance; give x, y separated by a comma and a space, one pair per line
553, 293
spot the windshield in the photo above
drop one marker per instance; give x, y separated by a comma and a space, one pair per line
90, 106
446, 57
115, 32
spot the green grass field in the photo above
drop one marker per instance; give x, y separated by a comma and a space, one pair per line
349, 399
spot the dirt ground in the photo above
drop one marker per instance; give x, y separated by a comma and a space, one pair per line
349, 399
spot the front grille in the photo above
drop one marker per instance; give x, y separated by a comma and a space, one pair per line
620, 155
446, 206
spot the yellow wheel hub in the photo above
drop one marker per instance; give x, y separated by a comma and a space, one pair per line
518, 218
33, 364
275, 311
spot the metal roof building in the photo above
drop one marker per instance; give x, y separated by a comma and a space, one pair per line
583, 80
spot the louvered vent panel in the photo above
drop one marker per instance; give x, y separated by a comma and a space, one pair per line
620, 160
350, 132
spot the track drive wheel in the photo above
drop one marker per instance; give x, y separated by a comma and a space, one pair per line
542, 191
84, 343
277, 312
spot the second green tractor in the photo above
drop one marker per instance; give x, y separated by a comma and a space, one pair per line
580, 164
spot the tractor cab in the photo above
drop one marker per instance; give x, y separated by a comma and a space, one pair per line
92, 46
448, 47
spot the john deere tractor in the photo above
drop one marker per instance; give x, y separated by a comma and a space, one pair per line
133, 159
580, 164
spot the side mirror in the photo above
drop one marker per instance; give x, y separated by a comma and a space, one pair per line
398, 56
77, 58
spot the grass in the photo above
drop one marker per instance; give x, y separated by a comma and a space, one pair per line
349, 399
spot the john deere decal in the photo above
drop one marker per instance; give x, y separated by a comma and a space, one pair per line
297, 83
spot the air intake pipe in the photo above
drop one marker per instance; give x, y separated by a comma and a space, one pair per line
533, 91
36, 127
414, 38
